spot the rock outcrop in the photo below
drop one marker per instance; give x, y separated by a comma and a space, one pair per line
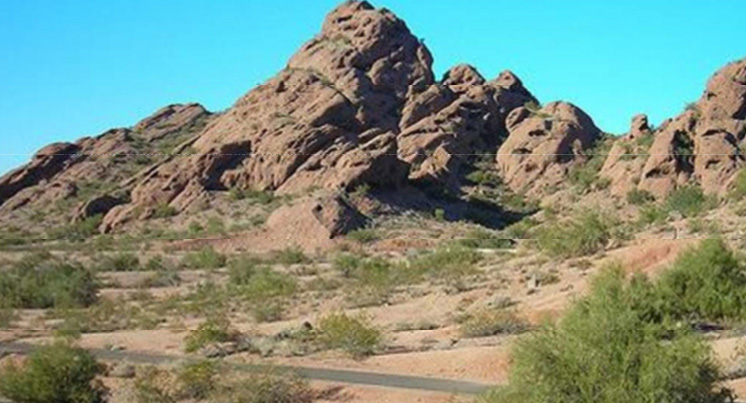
543, 145
446, 126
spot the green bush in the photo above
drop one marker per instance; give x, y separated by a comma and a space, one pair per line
738, 187
164, 210
604, 350
205, 258
482, 239
197, 380
491, 322
77, 231
689, 201
270, 386
705, 283
42, 281
291, 255
119, 262
354, 335
216, 329
266, 283
153, 386
639, 197
363, 235
583, 235
56, 373
257, 196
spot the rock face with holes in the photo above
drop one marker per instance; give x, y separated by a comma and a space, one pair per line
328, 120
543, 144
450, 124
627, 156
702, 144
75, 177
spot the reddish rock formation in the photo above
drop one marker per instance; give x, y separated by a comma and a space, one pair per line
542, 146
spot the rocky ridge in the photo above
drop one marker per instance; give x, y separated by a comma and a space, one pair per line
358, 106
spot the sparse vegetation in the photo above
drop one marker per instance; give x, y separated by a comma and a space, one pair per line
583, 235
77, 231
216, 329
164, 210
738, 187
291, 255
205, 258
197, 380
366, 235
354, 335
41, 281
491, 322
56, 373
689, 201
639, 197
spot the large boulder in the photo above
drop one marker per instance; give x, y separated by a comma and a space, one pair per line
543, 145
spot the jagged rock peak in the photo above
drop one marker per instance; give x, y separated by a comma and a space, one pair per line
463, 75
509, 81
639, 126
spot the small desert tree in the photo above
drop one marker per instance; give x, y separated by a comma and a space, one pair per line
607, 350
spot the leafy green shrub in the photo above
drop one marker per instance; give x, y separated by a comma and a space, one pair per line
705, 283
77, 231
604, 350
197, 380
585, 175
242, 269
363, 235
652, 214
639, 197
687, 200
491, 322
447, 262
583, 235
267, 283
55, 373
153, 385
291, 255
119, 262
346, 264
479, 238
205, 258
484, 178
354, 335
164, 210
257, 196
41, 281
269, 386
216, 329
738, 187
521, 229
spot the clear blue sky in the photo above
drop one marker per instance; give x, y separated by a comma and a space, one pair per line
77, 67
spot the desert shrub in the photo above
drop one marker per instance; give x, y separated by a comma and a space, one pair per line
652, 214
447, 262
291, 255
197, 380
242, 269
521, 229
439, 214
77, 231
267, 283
7, 317
216, 329
738, 187
41, 281
707, 282
583, 235
363, 235
585, 176
346, 264
205, 258
269, 386
161, 278
354, 335
479, 238
56, 373
639, 197
605, 350
153, 385
164, 210
491, 322
257, 196
119, 262
484, 178
687, 200
108, 315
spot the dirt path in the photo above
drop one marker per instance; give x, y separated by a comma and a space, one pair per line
317, 374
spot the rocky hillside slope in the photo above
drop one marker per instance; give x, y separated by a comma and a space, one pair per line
358, 106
